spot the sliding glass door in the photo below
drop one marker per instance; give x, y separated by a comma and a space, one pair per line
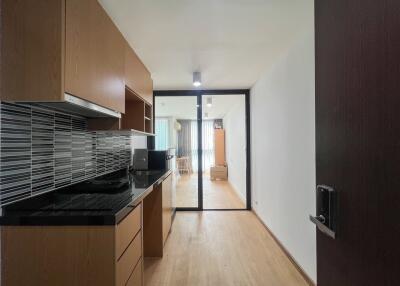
209, 135
176, 128
224, 151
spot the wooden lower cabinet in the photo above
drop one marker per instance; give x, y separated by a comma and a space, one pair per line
127, 229
73, 255
57, 255
157, 218
88, 255
166, 206
126, 264
136, 278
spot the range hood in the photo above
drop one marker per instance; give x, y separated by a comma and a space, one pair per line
76, 105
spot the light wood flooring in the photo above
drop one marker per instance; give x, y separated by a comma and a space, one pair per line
216, 194
221, 248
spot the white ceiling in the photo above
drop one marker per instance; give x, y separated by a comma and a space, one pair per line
232, 42
185, 107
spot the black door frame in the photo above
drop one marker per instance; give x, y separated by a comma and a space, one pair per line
199, 93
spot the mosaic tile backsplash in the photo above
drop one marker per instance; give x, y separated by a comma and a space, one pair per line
42, 150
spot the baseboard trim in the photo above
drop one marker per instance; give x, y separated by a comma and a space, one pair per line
289, 256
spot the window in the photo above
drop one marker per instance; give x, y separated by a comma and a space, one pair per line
162, 133
187, 143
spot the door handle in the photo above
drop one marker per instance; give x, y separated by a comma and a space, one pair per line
319, 222
326, 209
320, 218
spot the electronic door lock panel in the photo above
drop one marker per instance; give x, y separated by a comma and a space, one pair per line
326, 217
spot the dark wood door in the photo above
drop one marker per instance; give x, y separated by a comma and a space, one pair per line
358, 139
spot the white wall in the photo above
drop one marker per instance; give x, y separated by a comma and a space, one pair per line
235, 147
283, 151
139, 142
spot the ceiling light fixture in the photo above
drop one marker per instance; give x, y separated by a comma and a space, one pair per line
209, 101
197, 79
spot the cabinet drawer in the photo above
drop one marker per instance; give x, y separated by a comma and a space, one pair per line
129, 259
127, 229
136, 278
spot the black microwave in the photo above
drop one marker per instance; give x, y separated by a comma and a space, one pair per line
159, 160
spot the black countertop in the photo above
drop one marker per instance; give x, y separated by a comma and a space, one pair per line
105, 200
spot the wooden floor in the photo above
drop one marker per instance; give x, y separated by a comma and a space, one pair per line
186, 191
216, 194
221, 248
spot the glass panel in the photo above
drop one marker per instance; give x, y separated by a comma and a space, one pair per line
176, 130
224, 151
162, 131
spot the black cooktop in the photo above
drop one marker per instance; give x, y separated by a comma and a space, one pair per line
107, 184
100, 201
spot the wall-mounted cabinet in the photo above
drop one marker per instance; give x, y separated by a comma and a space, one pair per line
134, 118
94, 61
53, 47
137, 77
138, 117
138, 113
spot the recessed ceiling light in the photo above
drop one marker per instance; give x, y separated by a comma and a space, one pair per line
196, 79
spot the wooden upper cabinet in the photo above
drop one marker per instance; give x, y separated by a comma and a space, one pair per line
32, 46
137, 77
49, 47
94, 55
